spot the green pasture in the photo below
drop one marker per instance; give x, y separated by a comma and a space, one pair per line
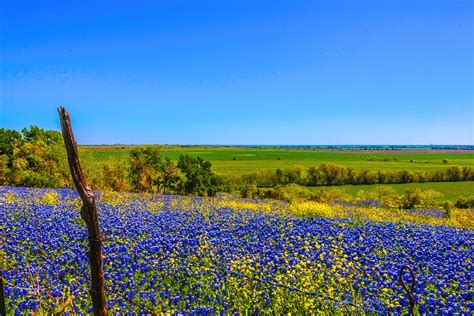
246, 160
451, 190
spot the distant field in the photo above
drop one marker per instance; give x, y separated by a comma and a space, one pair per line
245, 160
450, 190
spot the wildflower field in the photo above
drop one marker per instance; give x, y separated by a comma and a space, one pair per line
223, 255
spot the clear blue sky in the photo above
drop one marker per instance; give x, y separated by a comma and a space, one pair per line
241, 72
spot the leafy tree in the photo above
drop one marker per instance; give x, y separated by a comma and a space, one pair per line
404, 176
35, 133
467, 174
3, 169
312, 177
248, 190
146, 165
114, 175
365, 176
171, 178
351, 176
34, 163
332, 174
454, 173
416, 198
8, 138
200, 179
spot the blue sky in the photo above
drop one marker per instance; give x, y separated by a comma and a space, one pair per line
241, 72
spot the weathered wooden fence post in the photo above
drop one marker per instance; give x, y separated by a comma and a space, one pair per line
88, 213
3, 308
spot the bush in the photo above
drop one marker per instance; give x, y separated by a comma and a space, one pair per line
291, 193
465, 202
448, 207
329, 195
416, 198
248, 190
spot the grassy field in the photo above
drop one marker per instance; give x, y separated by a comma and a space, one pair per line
450, 190
245, 160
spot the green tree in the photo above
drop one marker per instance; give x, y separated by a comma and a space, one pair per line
365, 176
200, 179
8, 138
146, 165
3, 169
467, 174
114, 175
35, 163
35, 133
454, 173
171, 178
312, 177
332, 174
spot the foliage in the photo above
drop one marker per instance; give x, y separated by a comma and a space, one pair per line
36, 157
465, 202
331, 175
200, 179
416, 198
291, 193
8, 138
33, 158
248, 190
145, 166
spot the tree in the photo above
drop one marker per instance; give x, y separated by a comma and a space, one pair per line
171, 178
200, 179
467, 174
34, 163
35, 133
454, 173
8, 138
404, 176
114, 176
146, 165
332, 174
312, 177
366, 177
3, 169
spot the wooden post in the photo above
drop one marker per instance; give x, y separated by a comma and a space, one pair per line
3, 308
88, 214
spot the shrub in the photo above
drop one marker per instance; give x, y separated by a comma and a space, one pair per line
248, 190
292, 192
465, 202
329, 195
448, 207
416, 198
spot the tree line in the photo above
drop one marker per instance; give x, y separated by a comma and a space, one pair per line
328, 174
36, 157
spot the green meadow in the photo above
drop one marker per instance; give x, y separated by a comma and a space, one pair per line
227, 160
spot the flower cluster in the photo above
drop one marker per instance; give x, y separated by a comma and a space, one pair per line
183, 255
